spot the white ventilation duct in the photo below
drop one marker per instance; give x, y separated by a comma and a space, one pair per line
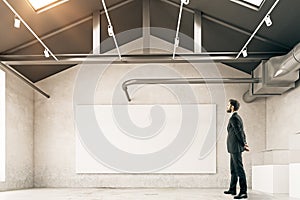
277, 76
289, 62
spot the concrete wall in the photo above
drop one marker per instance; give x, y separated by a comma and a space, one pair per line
283, 114
54, 153
282, 143
19, 135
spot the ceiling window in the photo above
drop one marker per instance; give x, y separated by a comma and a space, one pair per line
253, 4
2, 126
43, 5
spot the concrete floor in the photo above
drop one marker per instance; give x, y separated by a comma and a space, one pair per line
128, 194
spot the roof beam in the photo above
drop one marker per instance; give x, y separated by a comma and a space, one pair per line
118, 5
243, 31
197, 32
23, 78
96, 32
30, 29
51, 34
257, 28
146, 26
178, 5
73, 59
63, 29
230, 26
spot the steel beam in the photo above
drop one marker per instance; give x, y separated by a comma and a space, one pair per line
197, 32
24, 79
178, 5
96, 32
257, 28
230, 26
73, 59
29, 29
243, 31
116, 6
146, 26
60, 30
44, 37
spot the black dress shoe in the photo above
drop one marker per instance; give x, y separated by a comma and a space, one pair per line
241, 196
230, 192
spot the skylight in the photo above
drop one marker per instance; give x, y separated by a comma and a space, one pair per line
43, 5
253, 4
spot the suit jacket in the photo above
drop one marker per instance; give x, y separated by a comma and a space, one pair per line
236, 138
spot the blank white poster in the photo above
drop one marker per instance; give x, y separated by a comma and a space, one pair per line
147, 133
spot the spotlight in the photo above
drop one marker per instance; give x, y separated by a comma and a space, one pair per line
268, 20
17, 22
244, 52
176, 41
46, 53
110, 30
185, 2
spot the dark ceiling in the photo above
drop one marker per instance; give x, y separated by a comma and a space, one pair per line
283, 35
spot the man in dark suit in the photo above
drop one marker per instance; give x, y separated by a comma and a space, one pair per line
236, 144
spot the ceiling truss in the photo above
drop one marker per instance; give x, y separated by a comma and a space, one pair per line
8, 60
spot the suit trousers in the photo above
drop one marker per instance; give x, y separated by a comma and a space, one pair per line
237, 172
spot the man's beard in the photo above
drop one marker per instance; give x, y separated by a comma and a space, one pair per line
228, 110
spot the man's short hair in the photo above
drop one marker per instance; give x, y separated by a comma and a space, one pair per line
235, 104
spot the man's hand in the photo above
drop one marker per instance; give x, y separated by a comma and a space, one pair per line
246, 147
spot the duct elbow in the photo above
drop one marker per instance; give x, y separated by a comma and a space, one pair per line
248, 98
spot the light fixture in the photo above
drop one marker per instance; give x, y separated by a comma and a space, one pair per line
46, 53
185, 2
43, 5
257, 28
176, 41
252, 4
17, 22
268, 20
110, 29
28, 27
245, 53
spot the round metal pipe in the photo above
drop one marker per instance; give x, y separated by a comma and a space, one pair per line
287, 63
186, 81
